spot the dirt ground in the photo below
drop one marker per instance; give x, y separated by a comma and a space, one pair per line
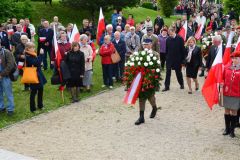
102, 128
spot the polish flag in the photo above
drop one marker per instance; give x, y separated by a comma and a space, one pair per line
203, 2
200, 29
183, 31
227, 52
58, 56
133, 92
238, 45
10, 32
75, 36
20, 65
210, 90
42, 39
101, 26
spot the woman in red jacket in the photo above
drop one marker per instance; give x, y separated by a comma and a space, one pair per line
231, 94
105, 52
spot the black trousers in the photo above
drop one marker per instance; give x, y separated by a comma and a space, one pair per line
39, 92
179, 75
163, 59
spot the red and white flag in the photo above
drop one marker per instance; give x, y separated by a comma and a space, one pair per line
101, 26
227, 52
133, 92
203, 2
75, 36
183, 31
238, 45
210, 90
58, 56
10, 32
199, 30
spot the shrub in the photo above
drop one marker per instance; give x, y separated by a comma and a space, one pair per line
149, 5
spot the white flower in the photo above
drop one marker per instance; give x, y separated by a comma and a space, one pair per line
158, 62
132, 59
148, 58
154, 58
143, 53
150, 51
204, 46
215, 33
139, 63
141, 58
145, 64
209, 36
151, 63
131, 64
146, 49
151, 55
207, 42
128, 61
135, 53
137, 58
157, 70
126, 64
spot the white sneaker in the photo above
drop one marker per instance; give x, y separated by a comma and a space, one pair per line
111, 87
103, 86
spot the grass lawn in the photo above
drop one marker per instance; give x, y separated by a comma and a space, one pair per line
52, 97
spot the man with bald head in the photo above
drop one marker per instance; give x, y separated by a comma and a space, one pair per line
120, 46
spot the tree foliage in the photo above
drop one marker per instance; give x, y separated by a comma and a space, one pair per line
93, 5
167, 6
11, 8
229, 4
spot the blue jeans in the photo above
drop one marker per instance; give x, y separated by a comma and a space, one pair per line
6, 88
107, 74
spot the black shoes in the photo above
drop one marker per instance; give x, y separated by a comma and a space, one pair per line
140, 119
202, 74
230, 122
10, 113
166, 89
182, 87
3, 110
227, 125
154, 112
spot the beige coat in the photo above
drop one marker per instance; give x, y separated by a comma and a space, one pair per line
88, 52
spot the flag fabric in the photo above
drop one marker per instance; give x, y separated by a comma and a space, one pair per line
101, 26
58, 56
227, 52
200, 29
183, 31
203, 2
75, 36
210, 90
133, 92
238, 45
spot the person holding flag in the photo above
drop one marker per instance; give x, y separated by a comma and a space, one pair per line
231, 94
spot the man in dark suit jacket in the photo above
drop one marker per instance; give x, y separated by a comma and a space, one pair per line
4, 38
175, 56
159, 21
45, 42
120, 46
217, 41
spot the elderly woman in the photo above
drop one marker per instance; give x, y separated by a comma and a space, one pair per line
33, 60
19, 56
162, 40
76, 64
193, 62
88, 54
105, 52
231, 94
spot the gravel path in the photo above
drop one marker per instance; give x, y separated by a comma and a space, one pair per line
102, 128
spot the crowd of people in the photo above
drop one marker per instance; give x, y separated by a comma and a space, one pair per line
124, 36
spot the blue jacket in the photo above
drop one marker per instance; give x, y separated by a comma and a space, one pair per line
36, 62
121, 48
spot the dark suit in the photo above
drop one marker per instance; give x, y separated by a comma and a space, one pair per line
175, 56
48, 33
212, 55
121, 49
4, 40
159, 21
195, 62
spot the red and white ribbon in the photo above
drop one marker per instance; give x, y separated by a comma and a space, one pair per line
133, 92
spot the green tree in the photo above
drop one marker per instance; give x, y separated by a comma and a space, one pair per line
11, 8
229, 4
93, 5
167, 6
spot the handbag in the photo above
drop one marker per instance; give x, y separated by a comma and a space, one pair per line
115, 57
29, 75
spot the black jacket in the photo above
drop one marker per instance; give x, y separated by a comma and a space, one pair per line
175, 52
121, 48
212, 55
4, 40
159, 21
16, 38
49, 37
196, 59
76, 64
18, 52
